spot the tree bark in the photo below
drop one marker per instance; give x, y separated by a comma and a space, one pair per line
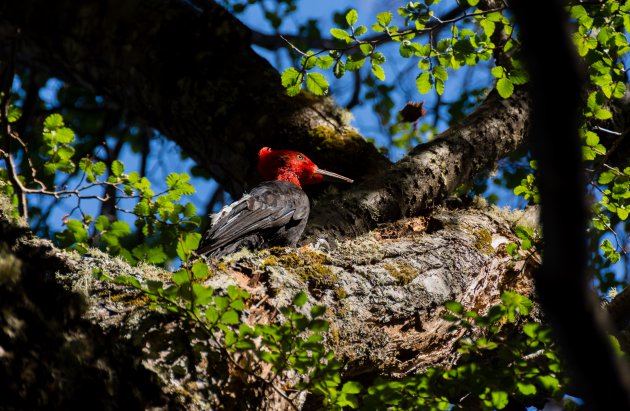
384, 294
187, 69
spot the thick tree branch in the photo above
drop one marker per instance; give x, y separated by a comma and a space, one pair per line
429, 172
384, 293
562, 282
202, 86
208, 91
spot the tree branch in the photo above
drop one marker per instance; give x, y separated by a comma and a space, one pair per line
204, 95
428, 173
202, 87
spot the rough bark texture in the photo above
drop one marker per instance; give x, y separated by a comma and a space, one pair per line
429, 172
69, 340
187, 69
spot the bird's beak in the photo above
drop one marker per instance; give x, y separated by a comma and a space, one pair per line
333, 175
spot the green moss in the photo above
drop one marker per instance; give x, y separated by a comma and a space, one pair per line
309, 266
333, 333
133, 299
483, 241
10, 267
221, 266
340, 293
403, 272
329, 137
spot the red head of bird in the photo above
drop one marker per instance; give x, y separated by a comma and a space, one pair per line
287, 165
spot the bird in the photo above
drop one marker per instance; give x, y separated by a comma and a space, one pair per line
274, 213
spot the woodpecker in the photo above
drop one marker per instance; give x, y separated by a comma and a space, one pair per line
274, 213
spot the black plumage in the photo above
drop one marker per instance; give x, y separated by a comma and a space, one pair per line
274, 213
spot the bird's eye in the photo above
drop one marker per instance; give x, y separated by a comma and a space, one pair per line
300, 156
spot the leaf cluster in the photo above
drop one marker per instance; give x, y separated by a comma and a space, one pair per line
495, 369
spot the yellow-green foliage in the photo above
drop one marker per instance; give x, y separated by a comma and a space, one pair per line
403, 272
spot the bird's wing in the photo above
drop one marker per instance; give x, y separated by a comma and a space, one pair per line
261, 209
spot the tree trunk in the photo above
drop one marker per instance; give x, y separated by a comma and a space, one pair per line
89, 341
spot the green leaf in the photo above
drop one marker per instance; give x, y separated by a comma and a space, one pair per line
488, 26
53, 122
212, 314
317, 84
424, 82
294, 90
14, 114
499, 399
187, 244
230, 317
318, 326
189, 210
181, 277
439, 86
497, 71
120, 229
505, 87
549, 382
592, 139
99, 168
454, 306
308, 61
578, 11
352, 16
351, 387
603, 114
318, 311
366, 48
300, 299
65, 152
439, 72
384, 18
102, 223
117, 168
64, 135
526, 389
127, 280
377, 58
359, 31
341, 35
156, 255
290, 77
340, 69
221, 302
238, 305
200, 269
77, 228
325, 62
378, 72
355, 62
511, 248
203, 295
606, 177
